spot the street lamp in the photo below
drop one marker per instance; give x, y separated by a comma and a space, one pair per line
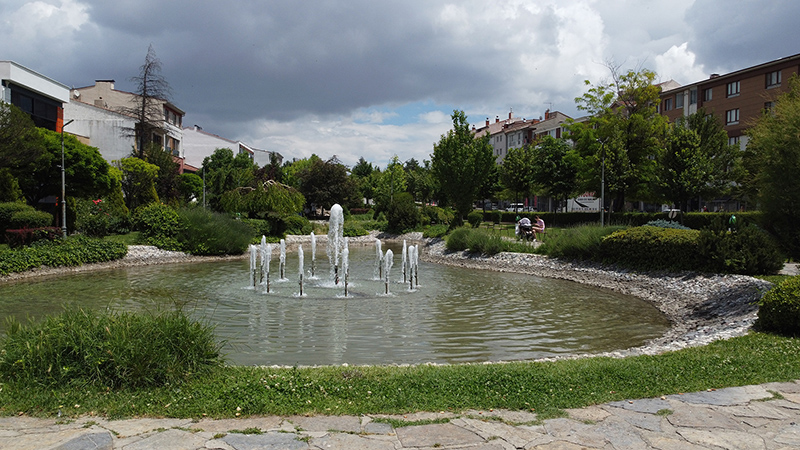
63, 185
602, 182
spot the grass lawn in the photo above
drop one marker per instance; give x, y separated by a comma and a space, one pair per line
546, 388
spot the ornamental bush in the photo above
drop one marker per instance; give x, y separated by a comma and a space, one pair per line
457, 240
72, 251
748, 251
7, 210
159, 225
653, 248
779, 309
115, 350
203, 232
474, 218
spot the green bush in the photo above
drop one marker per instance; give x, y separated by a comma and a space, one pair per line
26, 236
495, 216
297, 225
457, 240
204, 232
30, 218
661, 223
7, 210
581, 242
72, 251
109, 350
353, 228
653, 248
480, 241
747, 251
156, 221
402, 214
475, 218
779, 309
94, 219
436, 215
435, 231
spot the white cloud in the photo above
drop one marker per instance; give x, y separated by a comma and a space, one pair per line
679, 64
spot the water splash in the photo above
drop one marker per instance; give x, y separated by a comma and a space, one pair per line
335, 240
388, 262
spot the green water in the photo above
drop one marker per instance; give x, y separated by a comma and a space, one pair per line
455, 315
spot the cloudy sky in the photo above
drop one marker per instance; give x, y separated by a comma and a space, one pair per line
377, 78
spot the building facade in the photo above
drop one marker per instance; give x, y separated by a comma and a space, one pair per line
103, 128
103, 95
515, 132
738, 98
199, 144
41, 97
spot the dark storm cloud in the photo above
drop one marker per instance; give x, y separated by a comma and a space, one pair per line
728, 36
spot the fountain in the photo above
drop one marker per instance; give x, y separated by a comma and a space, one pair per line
253, 265
266, 256
335, 240
313, 253
300, 266
378, 260
404, 260
388, 261
346, 267
283, 261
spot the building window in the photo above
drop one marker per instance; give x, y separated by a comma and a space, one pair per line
768, 107
707, 94
733, 89
773, 79
667, 104
733, 140
679, 101
732, 116
692, 96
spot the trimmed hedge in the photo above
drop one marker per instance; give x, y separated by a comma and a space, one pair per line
653, 248
27, 236
72, 251
693, 220
779, 309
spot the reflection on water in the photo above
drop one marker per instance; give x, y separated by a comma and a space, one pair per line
456, 315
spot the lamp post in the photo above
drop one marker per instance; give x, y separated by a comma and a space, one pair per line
63, 185
602, 182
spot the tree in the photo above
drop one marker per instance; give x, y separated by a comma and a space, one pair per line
138, 182
325, 183
269, 197
419, 181
190, 187
516, 173
624, 116
773, 161
365, 178
461, 163
390, 182
224, 173
22, 150
696, 161
168, 181
86, 171
555, 168
152, 89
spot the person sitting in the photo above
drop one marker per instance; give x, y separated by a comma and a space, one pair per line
538, 227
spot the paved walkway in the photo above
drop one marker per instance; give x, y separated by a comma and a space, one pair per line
750, 417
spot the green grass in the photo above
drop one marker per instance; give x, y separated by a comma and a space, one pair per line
131, 238
546, 388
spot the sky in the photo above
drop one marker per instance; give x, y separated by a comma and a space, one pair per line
379, 78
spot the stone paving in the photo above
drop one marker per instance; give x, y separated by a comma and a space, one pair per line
750, 417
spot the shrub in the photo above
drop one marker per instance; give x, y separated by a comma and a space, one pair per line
581, 242
436, 215
653, 248
747, 251
435, 231
475, 218
108, 349
402, 214
496, 216
94, 219
204, 232
27, 236
72, 251
30, 218
779, 309
480, 241
352, 228
260, 227
297, 225
9, 209
457, 240
159, 225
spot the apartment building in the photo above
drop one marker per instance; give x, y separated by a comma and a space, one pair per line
103, 95
199, 144
515, 132
41, 97
737, 98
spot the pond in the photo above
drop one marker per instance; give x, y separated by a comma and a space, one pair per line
455, 315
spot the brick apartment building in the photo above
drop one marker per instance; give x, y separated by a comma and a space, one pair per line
737, 98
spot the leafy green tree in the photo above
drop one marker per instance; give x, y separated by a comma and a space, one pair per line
555, 168
419, 181
365, 177
168, 181
292, 168
516, 172
190, 187
267, 198
624, 116
86, 171
461, 162
224, 173
325, 183
391, 182
9, 187
138, 182
492, 186
773, 160
22, 150
696, 160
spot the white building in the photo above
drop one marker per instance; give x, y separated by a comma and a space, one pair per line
41, 97
199, 144
107, 130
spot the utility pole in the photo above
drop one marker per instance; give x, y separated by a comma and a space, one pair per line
63, 185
